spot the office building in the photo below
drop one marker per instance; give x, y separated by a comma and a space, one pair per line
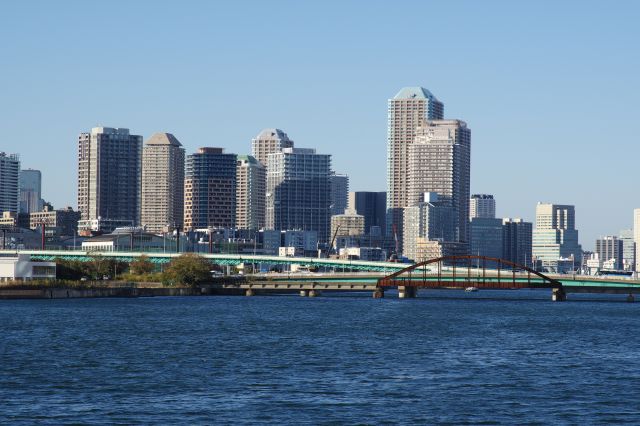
299, 191
555, 239
482, 205
9, 182
440, 162
162, 183
408, 108
628, 249
429, 220
267, 142
486, 237
517, 241
30, 191
251, 185
610, 250
339, 193
636, 236
371, 205
348, 224
57, 222
210, 189
109, 174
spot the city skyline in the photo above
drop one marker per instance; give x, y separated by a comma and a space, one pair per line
537, 90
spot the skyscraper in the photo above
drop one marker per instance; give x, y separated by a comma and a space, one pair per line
30, 191
610, 250
636, 236
408, 108
516, 241
210, 189
339, 193
486, 237
109, 174
251, 184
267, 142
162, 183
440, 162
628, 249
555, 238
425, 221
9, 182
371, 205
482, 205
299, 191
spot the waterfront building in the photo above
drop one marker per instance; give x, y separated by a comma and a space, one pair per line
486, 237
371, 254
251, 185
210, 189
555, 239
109, 174
20, 267
339, 193
517, 241
628, 249
440, 162
371, 205
429, 220
348, 224
636, 236
482, 205
299, 191
304, 241
408, 108
267, 142
129, 239
9, 182
30, 191
610, 249
162, 183
57, 222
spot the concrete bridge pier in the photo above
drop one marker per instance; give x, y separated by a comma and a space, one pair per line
378, 293
304, 293
558, 295
407, 292
315, 293
249, 292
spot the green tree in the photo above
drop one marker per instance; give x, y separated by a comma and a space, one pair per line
142, 266
189, 269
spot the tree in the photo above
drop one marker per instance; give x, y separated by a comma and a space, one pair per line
142, 266
189, 269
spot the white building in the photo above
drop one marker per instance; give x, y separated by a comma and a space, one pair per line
555, 239
21, 267
251, 183
268, 142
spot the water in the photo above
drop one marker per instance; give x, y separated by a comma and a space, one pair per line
514, 357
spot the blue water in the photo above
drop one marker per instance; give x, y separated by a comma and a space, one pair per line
449, 357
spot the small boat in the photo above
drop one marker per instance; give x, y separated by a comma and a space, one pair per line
470, 289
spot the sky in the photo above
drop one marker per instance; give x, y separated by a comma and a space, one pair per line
549, 89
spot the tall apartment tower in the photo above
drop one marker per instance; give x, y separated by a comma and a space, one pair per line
516, 241
9, 182
109, 174
251, 185
162, 183
268, 142
339, 193
299, 191
430, 220
408, 108
30, 191
371, 205
483, 206
556, 237
440, 162
210, 189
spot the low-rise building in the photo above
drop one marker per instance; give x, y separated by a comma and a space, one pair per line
373, 254
21, 267
129, 241
56, 222
101, 226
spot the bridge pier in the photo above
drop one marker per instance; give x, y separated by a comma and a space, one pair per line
249, 292
378, 293
315, 293
558, 295
304, 293
407, 292
631, 298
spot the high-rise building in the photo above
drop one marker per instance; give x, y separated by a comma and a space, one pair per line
30, 191
555, 238
429, 220
210, 189
516, 241
9, 182
486, 237
610, 250
299, 191
371, 205
162, 183
347, 224
482, 205
628, 249
408, 108
339, 193
251, 185
109, 174
636, 236
440, 162
268, 142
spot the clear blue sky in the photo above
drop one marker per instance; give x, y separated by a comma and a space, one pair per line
549, 89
